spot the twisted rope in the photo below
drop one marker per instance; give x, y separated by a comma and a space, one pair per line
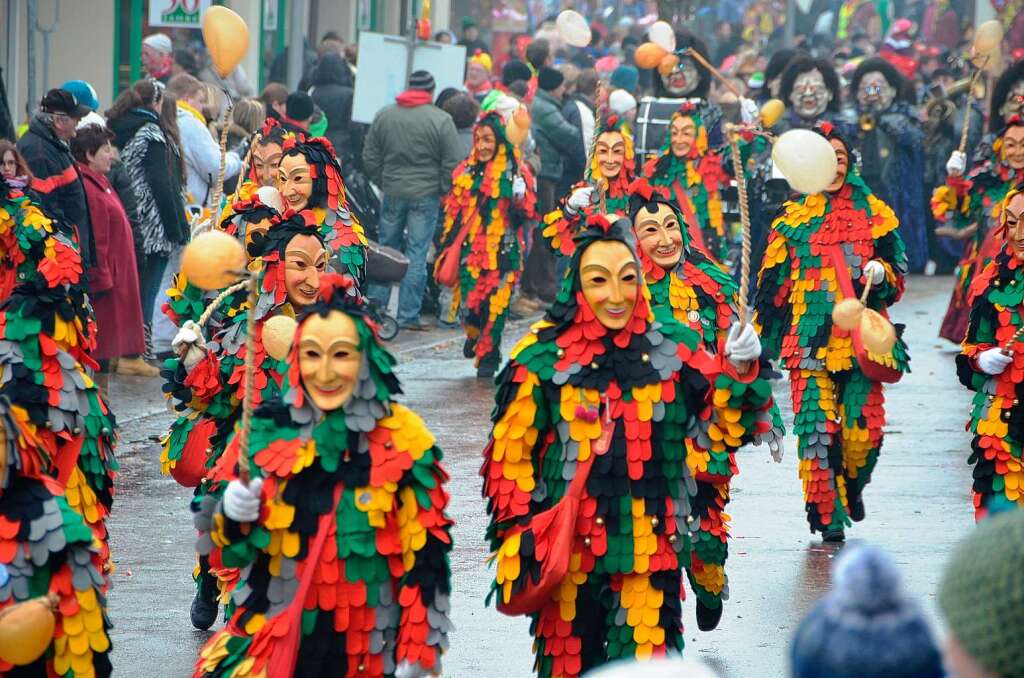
967, 111
741, 189
218, 300
219, 186
250, 368
244, 172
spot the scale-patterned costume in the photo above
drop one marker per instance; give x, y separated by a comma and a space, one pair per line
491, 258
976, 199
838, 413
369, 476
695, 184
675, 406
997, 420
702, 296
57, 468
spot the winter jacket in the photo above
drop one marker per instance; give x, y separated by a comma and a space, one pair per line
580, 112
332, 92
236, 84
58, 183
557, 140
410, 152
153, 166
202, 155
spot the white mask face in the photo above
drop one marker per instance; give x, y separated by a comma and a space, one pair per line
810, 96
683, 79
875, 93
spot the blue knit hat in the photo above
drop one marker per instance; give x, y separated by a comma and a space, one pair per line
625, 77
866, 626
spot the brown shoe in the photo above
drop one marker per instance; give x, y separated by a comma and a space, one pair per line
136, 367
525, 306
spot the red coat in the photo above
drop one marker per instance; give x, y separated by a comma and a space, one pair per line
113, 278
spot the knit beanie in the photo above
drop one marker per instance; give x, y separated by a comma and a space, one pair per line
422, 80
982, 594
625, 77
621, 102
161, 42
299, 106
866, 626
549, 78
514, 71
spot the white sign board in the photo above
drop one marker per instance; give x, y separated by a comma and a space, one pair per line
177, 13
382, 75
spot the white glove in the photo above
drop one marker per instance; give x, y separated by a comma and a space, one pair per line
994, 361
777, 448
407, 670
518, 188
241, 502
875, 271
580, 199
189, 344
957, 164
749, 112
742, 345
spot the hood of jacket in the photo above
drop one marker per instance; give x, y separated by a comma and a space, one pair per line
332, 70
125, 127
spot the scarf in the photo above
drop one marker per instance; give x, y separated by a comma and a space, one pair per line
412, 98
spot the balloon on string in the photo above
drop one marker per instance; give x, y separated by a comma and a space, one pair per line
226, 37
213, 260
649, 55
518, 126
806, 159
26, 630
661, 34
988, 37
573, 28
278, 333
772, 110
668, 64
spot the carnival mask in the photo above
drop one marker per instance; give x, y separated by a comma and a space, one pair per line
682, 135
1013, 221
304, 260
265, 160
610, 152
842, 165
659, 235
329, 359
1014, 104
683, 79
485, 145
875, 93
810, 96
1013, 147
610, 281
295, 181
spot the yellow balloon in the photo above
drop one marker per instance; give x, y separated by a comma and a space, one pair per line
278, 333
649, 55
226, 37
988, 36
846, 314
212, 260
772, 110
806, 159
26, 630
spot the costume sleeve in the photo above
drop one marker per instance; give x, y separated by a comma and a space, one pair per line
981, 330
905, 130
891, 252
952, 203
772, 310
560, 225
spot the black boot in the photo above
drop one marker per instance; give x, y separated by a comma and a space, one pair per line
488, 365
857, 508
708, 617
834, 536
469, 348
204, 604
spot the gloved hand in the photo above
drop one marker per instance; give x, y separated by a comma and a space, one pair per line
875, 271
581, 198
742, 345
957, 164
994, 361
408, 670
777, 447
518, 188
189, 344
241, 502
749, 112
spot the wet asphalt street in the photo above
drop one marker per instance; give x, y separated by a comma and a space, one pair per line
918, 506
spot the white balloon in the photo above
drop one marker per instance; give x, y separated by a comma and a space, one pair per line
806, 159
661, 33
271, 197
573, 28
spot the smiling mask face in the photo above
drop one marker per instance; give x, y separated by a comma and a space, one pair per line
266, 158
295, 181
304, 260
1013, 147
610, 151
485, 145
610, 281
842, 165
810, 96
682, 135
659, 235
1014, 104
329, 359
875, 93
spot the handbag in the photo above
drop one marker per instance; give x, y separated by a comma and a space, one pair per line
384, 264
885, 370
553, 533
446, 268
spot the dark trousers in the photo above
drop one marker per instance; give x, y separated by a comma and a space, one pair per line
540, 279
152, 266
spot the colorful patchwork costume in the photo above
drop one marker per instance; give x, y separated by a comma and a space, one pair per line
675, 409
838, 412
491, 258
350, 551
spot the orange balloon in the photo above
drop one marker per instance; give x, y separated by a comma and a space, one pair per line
649, 55
226, 37
26, 630
668, 64
212, 260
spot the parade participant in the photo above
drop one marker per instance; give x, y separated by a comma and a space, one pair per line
491, 201
988, 364
266, 155
46, 549
603, 376
47, 334
695, 179
605, 188
309, 178
892, 157
821, 244
702, 297
1007, 98
970, 207
341, 533
810, 89
206, 380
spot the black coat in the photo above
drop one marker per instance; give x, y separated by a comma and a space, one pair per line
333, 89
58, 183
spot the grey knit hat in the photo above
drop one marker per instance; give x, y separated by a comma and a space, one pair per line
422, 80
982, 594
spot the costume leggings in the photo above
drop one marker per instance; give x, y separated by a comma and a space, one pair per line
485, 301
998, 471
599, 618
709, 533
838, 419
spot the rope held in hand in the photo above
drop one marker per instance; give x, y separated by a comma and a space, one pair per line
212, 306
250, 368
218, 189
741, 189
